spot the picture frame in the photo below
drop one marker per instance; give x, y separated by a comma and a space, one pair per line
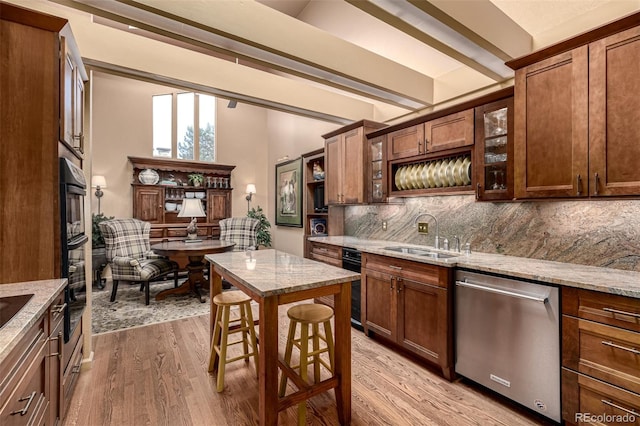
289, 193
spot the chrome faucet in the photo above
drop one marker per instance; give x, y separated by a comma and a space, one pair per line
415, 222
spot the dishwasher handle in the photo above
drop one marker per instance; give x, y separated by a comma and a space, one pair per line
515, 294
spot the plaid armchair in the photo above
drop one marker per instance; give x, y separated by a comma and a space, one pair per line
240, 230
129, 254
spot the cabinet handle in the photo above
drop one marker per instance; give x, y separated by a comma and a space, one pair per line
26, 407
595, 189
398, 285
397, 268
59, 339
426, 144
616, 311
477, 191
58, 309
624, 348
578, 184
391, 286
611, 404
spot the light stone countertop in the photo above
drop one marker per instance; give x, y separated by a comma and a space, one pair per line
607, 280
44, 292
272, 272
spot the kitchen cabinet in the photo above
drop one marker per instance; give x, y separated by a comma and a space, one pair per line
377, 189
55, 360
410, 305
30, 376
72, 79
346, 163
576, 126
443, 133
493, 156
600, 362
159, 203
551, 127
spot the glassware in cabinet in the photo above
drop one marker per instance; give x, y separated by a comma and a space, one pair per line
494, 150
377, 189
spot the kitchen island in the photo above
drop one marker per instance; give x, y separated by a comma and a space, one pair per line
273, 278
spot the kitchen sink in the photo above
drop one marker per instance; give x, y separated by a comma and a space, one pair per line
420, 252
11, 305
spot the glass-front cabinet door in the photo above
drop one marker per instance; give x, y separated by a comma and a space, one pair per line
377, 174
494, 150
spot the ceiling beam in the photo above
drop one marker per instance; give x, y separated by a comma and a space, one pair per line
397, 22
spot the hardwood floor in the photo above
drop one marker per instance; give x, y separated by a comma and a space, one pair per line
157, 375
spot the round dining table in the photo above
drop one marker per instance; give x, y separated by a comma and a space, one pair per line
195, 251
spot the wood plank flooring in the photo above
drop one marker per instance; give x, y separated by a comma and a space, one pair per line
157, 375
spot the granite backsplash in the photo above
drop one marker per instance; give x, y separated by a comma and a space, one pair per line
588, 232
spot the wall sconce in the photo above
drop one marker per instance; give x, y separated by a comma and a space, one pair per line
98, 182
251, 189
192, 207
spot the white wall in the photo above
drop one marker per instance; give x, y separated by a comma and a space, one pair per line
251, 138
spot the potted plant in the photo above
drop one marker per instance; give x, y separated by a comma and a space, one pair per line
196, 179
263, 236
97, 240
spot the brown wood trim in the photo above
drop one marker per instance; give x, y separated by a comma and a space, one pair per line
485, 99
21, 15
362, 123
169, 164
314, 153
581, 39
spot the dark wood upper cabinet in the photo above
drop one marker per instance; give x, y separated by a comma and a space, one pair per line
577, 116
614, 114
551, 127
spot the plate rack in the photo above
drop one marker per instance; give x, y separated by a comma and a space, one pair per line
446, 174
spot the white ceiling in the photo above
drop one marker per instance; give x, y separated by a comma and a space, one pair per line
331, 59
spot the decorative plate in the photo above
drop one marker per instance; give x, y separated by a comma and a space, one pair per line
424, 175
436, 174
466, 170
397, 178
418, 180
449, 172
430, 175
412, 176
442, 173
457, 172
148, 177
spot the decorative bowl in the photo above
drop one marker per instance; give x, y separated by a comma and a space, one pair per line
189, 194
200, 195
148, 177
170, 206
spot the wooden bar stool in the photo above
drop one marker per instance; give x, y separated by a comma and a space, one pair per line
243, 324
306, 315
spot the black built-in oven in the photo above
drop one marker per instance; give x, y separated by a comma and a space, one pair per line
73, 188
352, 261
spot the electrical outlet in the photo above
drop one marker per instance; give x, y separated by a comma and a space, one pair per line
423, 227
384, 225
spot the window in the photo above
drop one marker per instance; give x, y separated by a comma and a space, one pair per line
175, 116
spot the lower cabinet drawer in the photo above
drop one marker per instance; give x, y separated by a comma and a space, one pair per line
328, 260
326, 251
588, 400
27, 404
607, 353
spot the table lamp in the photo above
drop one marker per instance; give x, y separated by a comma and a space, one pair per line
192, 207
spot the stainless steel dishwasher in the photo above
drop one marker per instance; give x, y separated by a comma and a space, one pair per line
508, 338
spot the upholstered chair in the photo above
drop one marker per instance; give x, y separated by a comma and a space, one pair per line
129, 254
240, 230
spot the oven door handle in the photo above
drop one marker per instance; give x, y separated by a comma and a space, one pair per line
517, 295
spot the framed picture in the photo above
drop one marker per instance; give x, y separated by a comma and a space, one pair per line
318, 226
289, 193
